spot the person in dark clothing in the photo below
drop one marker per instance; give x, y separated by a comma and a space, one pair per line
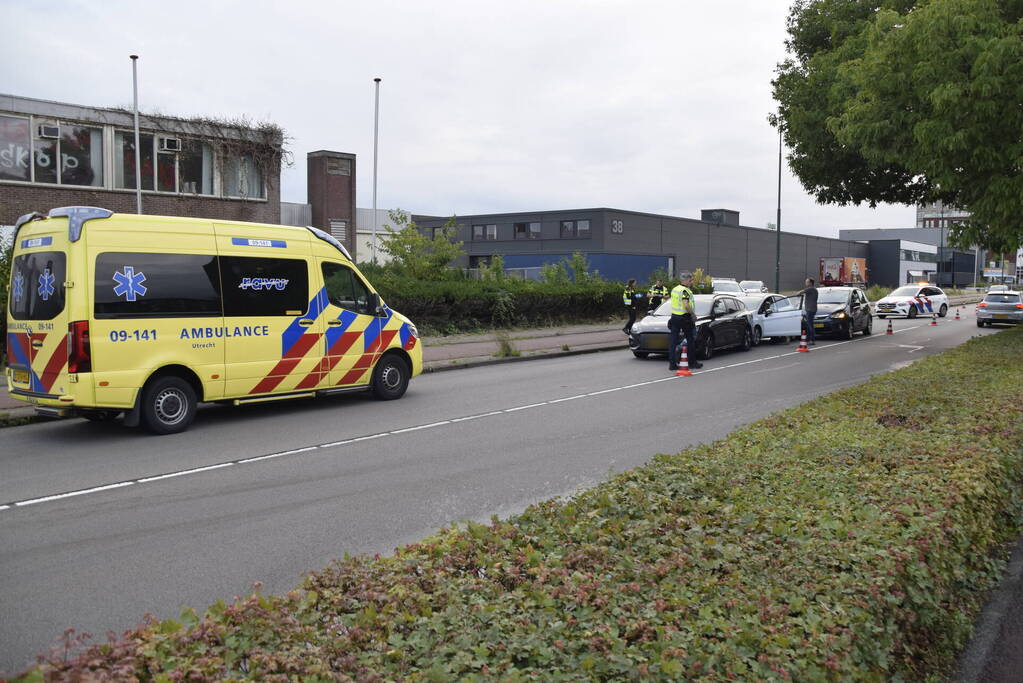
809, 310
629, 299
657, 294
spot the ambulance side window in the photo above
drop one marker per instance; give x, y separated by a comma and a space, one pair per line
344, 288
37, 291
142, 285
259, 286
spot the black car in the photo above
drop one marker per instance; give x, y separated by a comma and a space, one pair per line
841, 312
722, 322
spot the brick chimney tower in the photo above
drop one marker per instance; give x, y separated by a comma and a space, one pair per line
331, 192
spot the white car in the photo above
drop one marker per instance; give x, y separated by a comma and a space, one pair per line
753, 287
913, 300
775, 316
726, 286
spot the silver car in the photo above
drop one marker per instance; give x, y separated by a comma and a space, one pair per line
1000, 307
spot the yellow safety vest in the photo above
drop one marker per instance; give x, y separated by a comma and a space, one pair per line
627, 296
682, 301
659, 291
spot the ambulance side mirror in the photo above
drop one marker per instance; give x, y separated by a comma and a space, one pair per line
373, 306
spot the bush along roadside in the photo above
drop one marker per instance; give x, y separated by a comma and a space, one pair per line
853, 537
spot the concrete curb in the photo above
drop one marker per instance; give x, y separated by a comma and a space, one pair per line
978, 654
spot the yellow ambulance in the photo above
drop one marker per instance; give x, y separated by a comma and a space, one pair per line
149, 315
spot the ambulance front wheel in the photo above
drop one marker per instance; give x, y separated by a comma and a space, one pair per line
390, 378
168, 405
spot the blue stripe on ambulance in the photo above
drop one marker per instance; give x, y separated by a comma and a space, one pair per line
334, 332
295, 329
35, 384
374, 329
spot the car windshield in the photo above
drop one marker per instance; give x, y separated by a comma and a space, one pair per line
832, 296
702, 307
751, 284
905, 291
1003, 298
727, 286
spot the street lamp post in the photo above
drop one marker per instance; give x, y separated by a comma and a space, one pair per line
376, 130
777, 227
138, 147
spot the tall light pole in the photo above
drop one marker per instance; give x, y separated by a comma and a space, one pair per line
138, 147
376, 131
777, 226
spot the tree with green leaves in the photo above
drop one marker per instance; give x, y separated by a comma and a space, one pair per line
909, 101
413, 254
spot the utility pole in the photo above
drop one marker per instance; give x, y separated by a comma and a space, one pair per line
376, 130
777, 241
138, 147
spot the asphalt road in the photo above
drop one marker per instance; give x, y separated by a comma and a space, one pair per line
283, 488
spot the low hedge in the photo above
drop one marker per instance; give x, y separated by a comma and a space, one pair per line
449, 306
852, 537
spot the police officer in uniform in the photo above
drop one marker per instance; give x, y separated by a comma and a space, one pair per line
682, 323
658, 293
629, 299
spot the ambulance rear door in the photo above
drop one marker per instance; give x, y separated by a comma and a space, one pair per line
38, 315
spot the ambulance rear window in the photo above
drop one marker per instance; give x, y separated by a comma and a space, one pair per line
37, 285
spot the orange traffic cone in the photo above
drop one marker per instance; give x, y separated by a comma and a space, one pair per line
957, 312
934, 319
889, 330
683, 364
803, 348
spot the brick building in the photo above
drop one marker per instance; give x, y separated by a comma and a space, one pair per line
56, 154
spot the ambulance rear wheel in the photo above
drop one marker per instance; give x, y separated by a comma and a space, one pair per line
168, 405
390, 378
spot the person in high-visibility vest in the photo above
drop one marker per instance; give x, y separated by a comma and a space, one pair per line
657, 293
682, 324
629, 299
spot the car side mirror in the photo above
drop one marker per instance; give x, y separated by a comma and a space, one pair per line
373, 306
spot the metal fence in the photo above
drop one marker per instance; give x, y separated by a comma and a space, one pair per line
534, 273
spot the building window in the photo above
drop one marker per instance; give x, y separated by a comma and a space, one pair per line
243, 179
124, 160
582, 228
15, 148
339, 229
339, 166
484, 232
195, 167
68, 154
527, 231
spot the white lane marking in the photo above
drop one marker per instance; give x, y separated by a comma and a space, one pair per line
69, 494
345, 442
416, 429
146, 480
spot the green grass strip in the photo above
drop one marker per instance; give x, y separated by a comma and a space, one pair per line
853, 537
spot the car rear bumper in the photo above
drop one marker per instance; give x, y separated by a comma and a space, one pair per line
1010, 317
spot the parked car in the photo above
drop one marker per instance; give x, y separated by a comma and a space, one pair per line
1003, 306
913, 300
726, 285
842, 311
775, 316
998, 288
753, 287
722, 322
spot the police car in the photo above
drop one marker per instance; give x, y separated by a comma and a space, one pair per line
913, 300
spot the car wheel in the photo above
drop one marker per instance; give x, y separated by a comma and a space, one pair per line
869, 327
758, 336
942, 311
168, 405
706, 346
390, 378
747, 339
912, 312
93, 415
980, 323
640, 354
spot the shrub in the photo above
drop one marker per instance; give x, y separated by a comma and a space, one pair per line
850, 538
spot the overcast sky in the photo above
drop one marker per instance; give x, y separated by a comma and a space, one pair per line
484, 106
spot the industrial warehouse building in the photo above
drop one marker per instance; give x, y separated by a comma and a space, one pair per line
622, 244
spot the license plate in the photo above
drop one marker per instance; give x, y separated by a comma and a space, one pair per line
1001, 315
818, 326
21, 376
